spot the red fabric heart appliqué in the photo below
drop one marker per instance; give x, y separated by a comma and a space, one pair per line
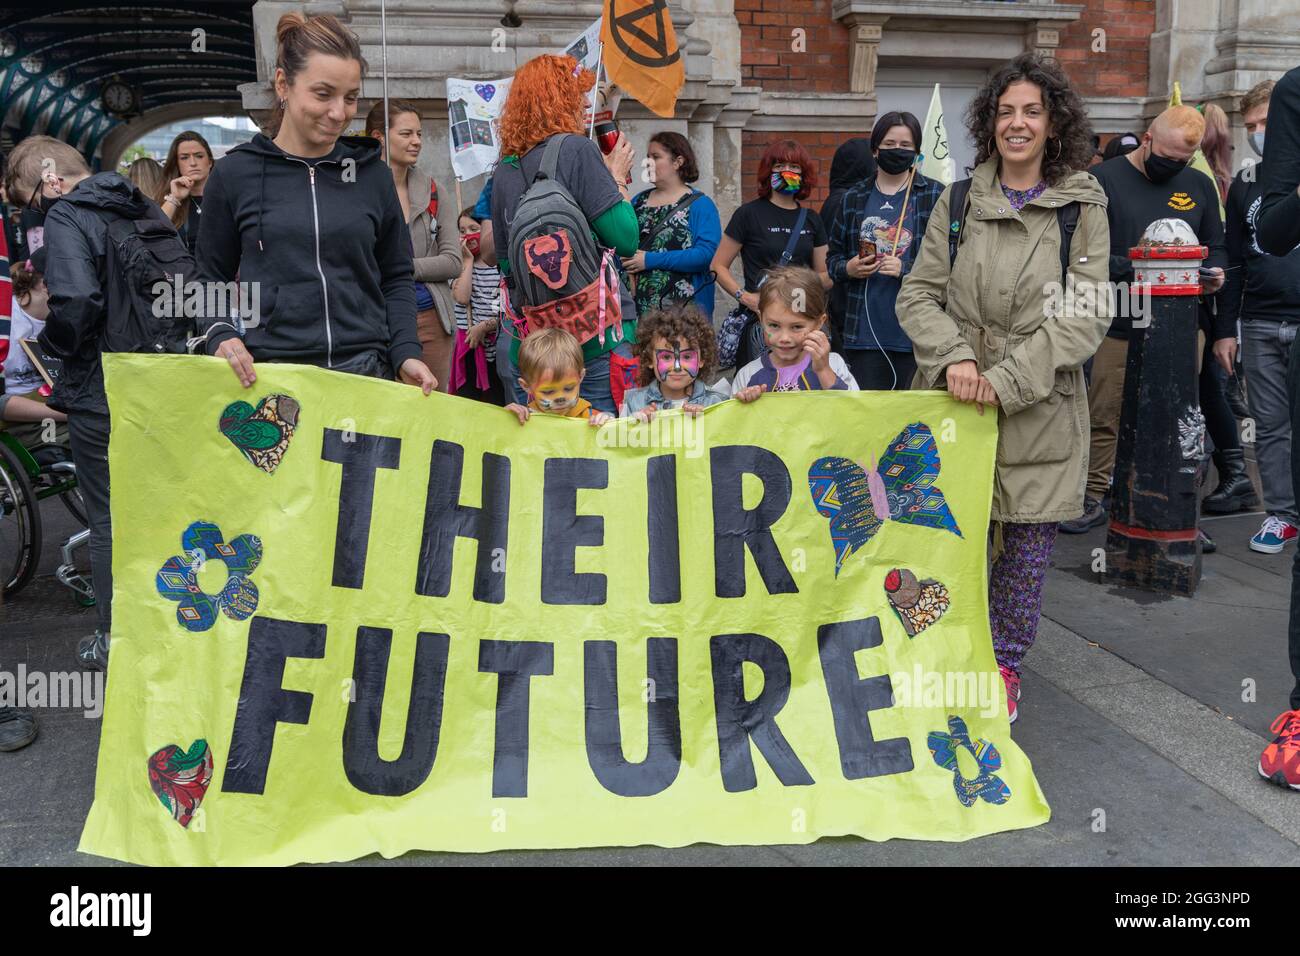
180, 778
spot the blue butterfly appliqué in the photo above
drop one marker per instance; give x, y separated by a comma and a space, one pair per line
859, 500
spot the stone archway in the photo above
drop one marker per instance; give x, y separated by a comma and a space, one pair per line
120, 137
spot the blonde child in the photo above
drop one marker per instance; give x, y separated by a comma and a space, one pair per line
792, 313
675, 350
551, 370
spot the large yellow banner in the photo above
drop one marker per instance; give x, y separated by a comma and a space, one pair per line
352, 618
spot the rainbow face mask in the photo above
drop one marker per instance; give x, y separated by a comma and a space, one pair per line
786, 181
674, 359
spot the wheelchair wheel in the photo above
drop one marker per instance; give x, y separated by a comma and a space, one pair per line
76, 507
20, 525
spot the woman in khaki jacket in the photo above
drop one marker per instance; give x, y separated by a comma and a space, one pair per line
435, 238
991, 329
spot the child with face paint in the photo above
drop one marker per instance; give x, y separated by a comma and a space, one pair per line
792, 313
551, 370
675, 349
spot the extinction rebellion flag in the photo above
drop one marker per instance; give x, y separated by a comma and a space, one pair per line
641, 54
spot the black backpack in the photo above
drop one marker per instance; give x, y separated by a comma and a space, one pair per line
1067, 218
141, 315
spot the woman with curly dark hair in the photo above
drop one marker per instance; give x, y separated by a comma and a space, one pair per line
983, 320
675, 350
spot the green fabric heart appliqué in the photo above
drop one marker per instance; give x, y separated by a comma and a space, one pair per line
262, 433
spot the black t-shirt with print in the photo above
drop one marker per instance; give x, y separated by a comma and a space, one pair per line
763, 229
1134, 202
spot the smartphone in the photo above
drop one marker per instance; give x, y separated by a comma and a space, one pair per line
866, 249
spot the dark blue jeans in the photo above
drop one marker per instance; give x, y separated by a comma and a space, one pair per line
595, 384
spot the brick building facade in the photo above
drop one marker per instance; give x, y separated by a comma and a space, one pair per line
773, 58
819, 70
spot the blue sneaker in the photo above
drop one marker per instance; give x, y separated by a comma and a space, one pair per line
1273, 535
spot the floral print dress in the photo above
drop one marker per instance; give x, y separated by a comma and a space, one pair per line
662, 228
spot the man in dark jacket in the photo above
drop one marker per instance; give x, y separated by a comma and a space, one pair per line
1263, 291
1152, 182
1278, 230
50, 174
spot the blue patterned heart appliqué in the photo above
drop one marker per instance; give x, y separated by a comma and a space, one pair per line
485, 90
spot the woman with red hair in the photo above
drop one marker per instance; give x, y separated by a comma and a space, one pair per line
773, 230
548, 101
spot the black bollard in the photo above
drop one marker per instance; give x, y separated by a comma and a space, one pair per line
1152, 541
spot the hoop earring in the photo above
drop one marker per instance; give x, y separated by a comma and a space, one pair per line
991, 147
1058, 150
283, 103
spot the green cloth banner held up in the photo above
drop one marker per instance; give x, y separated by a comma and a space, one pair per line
350, 618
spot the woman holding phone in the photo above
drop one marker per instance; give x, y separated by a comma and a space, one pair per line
877, 233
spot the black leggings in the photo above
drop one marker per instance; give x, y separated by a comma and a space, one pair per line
872, 370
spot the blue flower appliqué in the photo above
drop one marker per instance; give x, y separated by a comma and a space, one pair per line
984, 785
178, 579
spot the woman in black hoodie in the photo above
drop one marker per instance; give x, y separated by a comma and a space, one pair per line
312, 217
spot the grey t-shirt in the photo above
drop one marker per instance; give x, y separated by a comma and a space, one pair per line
580, 169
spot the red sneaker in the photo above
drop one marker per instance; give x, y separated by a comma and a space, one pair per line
1012, 680
1280, 761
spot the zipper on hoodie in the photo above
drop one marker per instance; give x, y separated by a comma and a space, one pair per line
324, 283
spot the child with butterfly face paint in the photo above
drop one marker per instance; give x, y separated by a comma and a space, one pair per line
675, 349
792, 315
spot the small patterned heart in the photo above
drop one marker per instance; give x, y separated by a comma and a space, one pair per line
180, 778
485, 90
263, 433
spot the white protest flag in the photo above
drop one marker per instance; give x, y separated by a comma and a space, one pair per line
936, 161
603, 99
473, 110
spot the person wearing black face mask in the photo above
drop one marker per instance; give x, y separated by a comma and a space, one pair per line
1151, 182
875, 235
